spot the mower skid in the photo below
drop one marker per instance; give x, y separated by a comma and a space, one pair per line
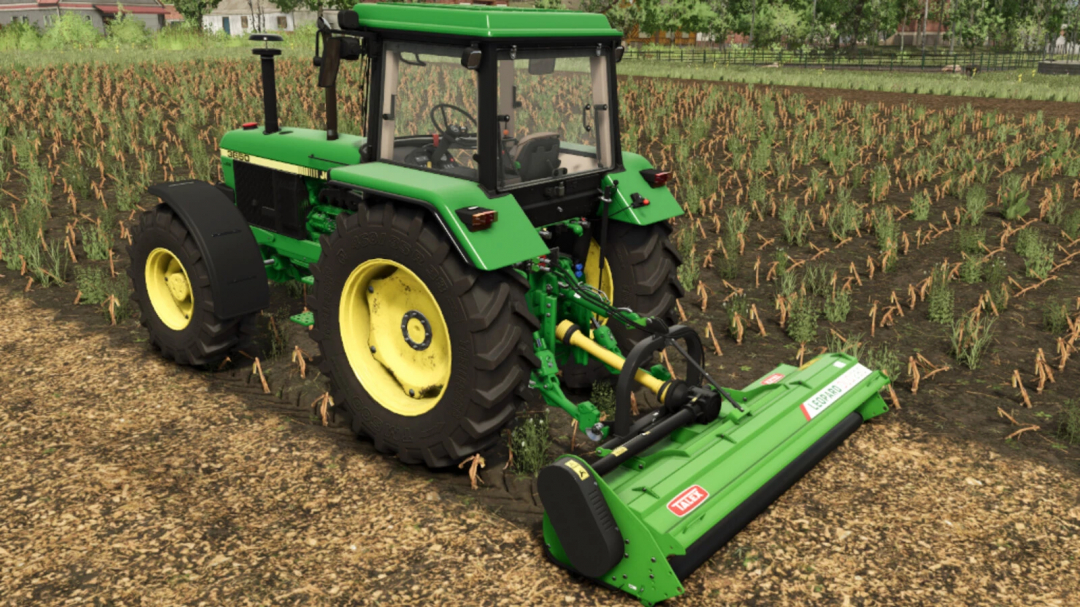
679, 501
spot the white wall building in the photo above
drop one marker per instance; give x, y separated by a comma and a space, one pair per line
241, 17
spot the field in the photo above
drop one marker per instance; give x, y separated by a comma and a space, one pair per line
937, 240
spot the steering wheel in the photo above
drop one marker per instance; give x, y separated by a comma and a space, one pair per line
453, 132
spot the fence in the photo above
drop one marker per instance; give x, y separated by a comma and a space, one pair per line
865, 59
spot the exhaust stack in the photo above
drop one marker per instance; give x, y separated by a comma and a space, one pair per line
269, 83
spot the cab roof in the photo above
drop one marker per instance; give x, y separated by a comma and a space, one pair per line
489, 22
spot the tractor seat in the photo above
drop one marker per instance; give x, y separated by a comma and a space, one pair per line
537, 155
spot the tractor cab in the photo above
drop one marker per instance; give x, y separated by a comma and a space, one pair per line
517, 111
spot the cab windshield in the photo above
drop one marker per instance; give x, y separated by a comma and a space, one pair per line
554, 111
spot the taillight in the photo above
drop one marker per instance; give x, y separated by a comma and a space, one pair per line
478, 218
656, 177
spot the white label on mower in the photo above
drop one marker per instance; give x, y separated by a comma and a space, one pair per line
685, 502
772, 379
832, 392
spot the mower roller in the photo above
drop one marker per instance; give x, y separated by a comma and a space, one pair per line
485, 240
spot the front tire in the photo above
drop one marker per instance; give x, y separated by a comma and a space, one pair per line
172, 290
426, 353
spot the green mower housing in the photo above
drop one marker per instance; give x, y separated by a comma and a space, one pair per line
487, 239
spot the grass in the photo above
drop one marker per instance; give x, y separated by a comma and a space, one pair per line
530, 441
998, 85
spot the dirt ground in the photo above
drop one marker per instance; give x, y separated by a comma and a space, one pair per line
127, 480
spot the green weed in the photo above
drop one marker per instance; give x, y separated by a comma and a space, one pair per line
96, 241
1014, 197
941, 296
603, 397
1055, 316
852, 347
975, 205
920, 206
737, 307
530, 440
970, 338
1069, 426
802, 326
971, 270
969, 239
838, 306
883, 358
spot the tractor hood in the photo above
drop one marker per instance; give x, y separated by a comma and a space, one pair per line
293, 150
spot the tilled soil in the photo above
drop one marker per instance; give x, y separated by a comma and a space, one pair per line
128, 480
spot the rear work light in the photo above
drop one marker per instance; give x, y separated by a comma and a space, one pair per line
656, 177
477, 218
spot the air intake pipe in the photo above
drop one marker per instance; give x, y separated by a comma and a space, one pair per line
268, 80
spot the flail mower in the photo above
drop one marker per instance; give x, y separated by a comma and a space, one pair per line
486, 239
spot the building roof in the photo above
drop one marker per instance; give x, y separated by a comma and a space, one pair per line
107, 6
475, 21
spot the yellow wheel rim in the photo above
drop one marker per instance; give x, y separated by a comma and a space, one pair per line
395, 337
169, 288
594, 277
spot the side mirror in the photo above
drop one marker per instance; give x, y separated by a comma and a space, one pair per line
619, 50
470, 59
539, 67
331, 60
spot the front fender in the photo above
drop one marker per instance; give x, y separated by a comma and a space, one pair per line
233, 260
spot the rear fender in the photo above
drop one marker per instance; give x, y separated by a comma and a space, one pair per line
662, 204
237, 275
510, 240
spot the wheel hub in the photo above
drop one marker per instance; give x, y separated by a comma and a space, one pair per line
178, 286
416, 329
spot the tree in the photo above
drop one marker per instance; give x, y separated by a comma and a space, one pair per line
194, 10
549, 4
319, 6
651, 16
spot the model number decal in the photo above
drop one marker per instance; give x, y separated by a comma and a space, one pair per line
832, 392
685, 502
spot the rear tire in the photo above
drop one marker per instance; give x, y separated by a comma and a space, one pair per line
483, 315
644, 270
196, 337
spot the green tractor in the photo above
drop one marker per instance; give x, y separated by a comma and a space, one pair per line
487, 239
